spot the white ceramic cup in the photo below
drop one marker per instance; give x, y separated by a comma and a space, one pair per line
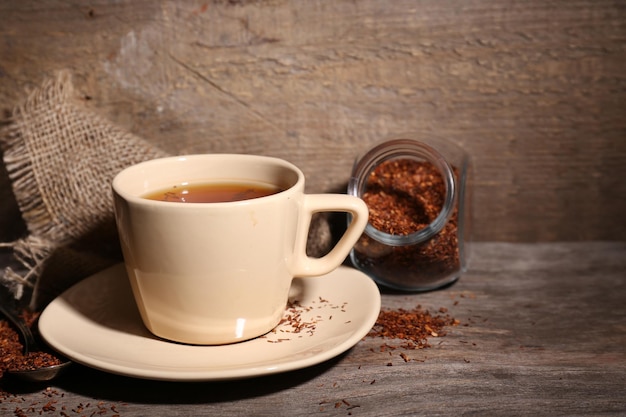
217, 273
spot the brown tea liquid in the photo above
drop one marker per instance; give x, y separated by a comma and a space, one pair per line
212, 192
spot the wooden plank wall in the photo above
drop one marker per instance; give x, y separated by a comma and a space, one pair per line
535, 90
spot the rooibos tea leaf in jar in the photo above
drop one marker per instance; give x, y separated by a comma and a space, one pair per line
418, 213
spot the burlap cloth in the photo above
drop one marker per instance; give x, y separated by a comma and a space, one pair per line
61, 159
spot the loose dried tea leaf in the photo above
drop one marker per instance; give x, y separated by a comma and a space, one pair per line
298, 319
404, 196
414, 327
22, 407
12, 357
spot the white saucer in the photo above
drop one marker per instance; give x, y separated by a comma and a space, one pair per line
96, 323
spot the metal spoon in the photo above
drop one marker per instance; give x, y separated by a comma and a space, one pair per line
41, 374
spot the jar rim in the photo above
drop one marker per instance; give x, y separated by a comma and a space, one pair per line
396, 149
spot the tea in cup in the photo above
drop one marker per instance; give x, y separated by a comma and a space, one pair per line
212, 242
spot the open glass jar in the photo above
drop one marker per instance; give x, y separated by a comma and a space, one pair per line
418, 194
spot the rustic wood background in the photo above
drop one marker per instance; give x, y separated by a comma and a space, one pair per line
534, 90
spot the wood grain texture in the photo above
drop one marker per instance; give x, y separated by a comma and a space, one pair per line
535, 90
541, 333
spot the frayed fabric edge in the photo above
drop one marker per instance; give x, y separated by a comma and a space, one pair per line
31, 253
18, 158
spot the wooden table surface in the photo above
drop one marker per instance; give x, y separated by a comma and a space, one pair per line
542, 332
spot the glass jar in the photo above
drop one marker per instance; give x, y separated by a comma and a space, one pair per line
418, 194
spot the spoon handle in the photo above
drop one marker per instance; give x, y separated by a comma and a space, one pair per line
11, 314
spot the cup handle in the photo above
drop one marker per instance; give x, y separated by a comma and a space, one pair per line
306, 266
